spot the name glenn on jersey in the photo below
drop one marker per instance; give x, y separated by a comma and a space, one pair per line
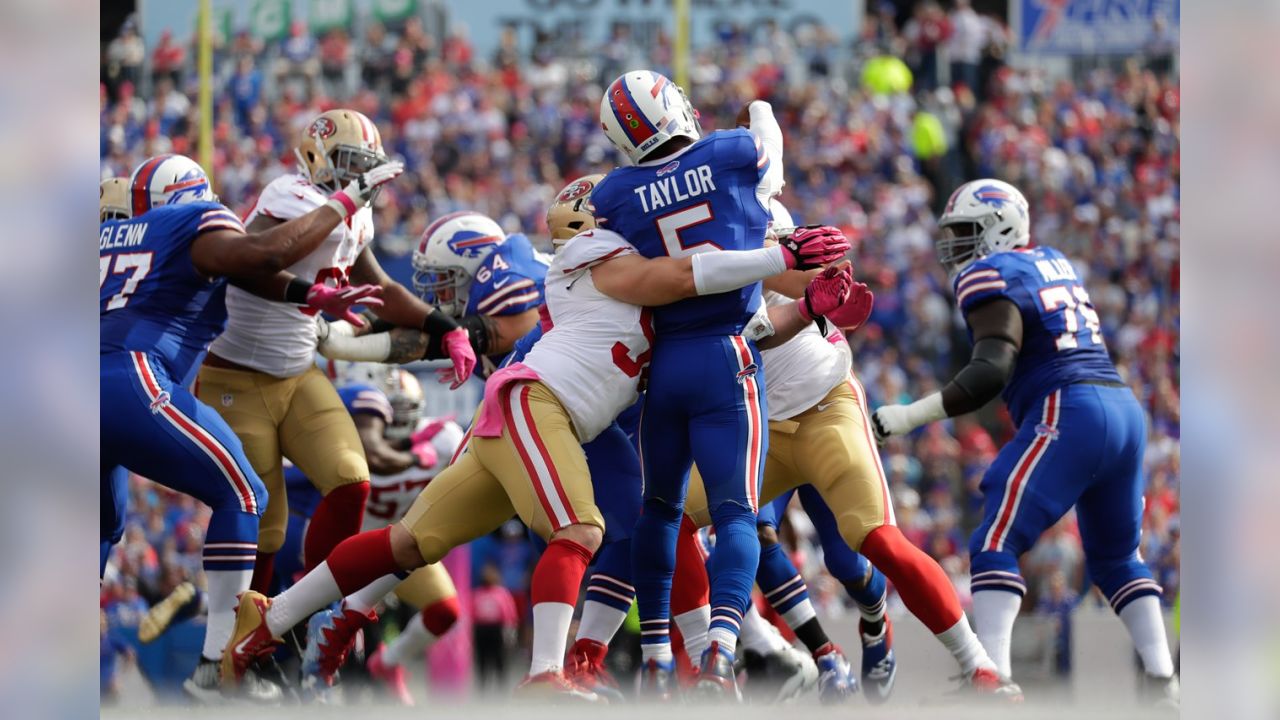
667, 190
120, 236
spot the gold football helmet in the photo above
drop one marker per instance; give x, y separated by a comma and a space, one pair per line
337, 147
570, 214
113, 199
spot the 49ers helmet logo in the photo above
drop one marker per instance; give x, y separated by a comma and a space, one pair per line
575, 190
323, 127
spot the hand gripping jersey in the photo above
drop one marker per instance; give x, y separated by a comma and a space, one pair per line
707, 197
597, 347
802, 370
1061, 335
151, 298
277, 338
509, 281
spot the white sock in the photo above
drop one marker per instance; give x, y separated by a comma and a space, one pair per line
411, 641
551, 622
693, 627
993, 614
802, 613
1145, 623
315, 590
724, 637
757, 636
368, 597
660, 651
224, 586
965, 648
599, 622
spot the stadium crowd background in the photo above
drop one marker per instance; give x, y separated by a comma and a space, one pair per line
878, 132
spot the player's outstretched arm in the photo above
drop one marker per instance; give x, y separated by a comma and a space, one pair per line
383, 459
830, 290
264, 252
997, 338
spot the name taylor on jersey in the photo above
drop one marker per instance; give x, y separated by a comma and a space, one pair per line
673, 187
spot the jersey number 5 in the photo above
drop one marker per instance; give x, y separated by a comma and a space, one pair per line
670, 225
138, 263
1075, 300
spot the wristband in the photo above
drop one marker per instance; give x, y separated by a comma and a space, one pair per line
296, 291
926, 410
436, 324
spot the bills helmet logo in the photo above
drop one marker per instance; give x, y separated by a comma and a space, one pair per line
575, 191
469, 243
323, 127
193, 182
991, 195
669, 167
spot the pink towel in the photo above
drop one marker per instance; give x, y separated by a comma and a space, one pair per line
489, 424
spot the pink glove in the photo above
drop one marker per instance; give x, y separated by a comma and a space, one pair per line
812, 247
338, 300
826, 292
457, 344
855, 310
426, 454
431, 429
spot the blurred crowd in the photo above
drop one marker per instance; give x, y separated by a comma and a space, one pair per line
873, 151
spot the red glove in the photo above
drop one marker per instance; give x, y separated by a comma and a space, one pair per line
430, 430
855, 310
426, 454
338, 300
457, 345
812, 247
827, 291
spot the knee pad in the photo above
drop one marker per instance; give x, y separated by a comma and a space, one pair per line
767, 534
272, 527
659, 509
349, 469
1122, 580
996, 570
855, 529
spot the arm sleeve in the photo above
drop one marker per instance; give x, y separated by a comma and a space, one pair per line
718, 272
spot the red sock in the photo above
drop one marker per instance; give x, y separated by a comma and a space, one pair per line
559, 572
361, 559
439, 616
923, 584
690, 587
337, 517
263, 570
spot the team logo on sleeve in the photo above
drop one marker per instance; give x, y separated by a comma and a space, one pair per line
469, 243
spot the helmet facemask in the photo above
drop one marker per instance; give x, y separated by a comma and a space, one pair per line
447, 288
958, 245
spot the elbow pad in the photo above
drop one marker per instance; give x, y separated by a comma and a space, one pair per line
983, 378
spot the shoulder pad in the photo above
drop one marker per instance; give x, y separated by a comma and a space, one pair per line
590, 248
288, 197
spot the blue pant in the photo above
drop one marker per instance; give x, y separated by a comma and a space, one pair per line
157, 429
842, 562
113, 504
706, 404
1082, 445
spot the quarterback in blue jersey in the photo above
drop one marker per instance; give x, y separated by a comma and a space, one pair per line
163, 275
687, 195
1081, 432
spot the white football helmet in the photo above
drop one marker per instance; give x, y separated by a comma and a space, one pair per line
643, 109
982, 217
168, 180
113, 199
452, 249
407, 402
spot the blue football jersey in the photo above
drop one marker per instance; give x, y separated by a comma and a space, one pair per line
509, 281
1061, 334
363, 399
151, 298
701, 200
523, 346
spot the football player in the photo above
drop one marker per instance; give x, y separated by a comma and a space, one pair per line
113, 199
1081, 433
524, 453
683, 196
406, 451
260, 372
163, 274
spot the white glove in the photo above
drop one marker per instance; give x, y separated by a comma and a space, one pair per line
890, 420
359, 191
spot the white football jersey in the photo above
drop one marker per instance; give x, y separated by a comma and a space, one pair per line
277, 338
801, 371
597, 347
391, 495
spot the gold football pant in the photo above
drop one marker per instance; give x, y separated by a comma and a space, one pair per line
536, 470
829, 446
425, 586
301, 418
